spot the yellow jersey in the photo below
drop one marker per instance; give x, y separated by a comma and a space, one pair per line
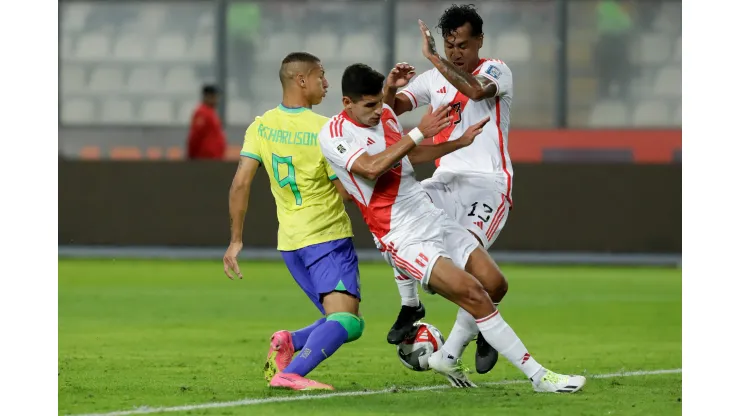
309, 208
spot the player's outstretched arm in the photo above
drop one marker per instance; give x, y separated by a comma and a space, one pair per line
428, 153
474, 87
238, 202
399, 77
371, 167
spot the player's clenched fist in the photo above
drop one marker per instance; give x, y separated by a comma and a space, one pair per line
400, 75
230, 262
473, 131
435, 121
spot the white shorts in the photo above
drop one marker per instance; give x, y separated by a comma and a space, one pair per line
474, 201
413, 250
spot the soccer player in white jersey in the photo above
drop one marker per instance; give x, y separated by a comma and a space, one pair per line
474, 184
372, 158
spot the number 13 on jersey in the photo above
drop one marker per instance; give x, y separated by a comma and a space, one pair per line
289, 179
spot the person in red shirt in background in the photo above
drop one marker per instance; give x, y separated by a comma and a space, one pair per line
206, 139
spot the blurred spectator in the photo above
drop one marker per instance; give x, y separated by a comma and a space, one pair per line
206, 139
244, 27
612, 58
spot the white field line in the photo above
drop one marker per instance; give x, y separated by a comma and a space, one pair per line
282, 399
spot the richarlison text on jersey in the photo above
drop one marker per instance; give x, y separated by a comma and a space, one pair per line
299, 138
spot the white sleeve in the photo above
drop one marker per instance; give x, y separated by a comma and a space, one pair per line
339, 147
500, 74
418, 90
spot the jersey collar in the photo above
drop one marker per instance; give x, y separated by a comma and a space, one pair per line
292, 110
346, 116
480, 62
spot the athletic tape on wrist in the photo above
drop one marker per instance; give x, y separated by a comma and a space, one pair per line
416, 135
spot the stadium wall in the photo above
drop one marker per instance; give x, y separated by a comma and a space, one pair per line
579, 207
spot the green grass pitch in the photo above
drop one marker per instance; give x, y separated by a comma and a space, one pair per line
136, 334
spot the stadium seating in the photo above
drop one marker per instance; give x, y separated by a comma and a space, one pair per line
117, 111
651, 114
515, 46
654, 48
145, 79
668, 82
106, 80
78, 111
157, 111
325, 44
130, 47
608, 114
171, 47
148, 60
239, 112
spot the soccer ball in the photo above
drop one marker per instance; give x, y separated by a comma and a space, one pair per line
415, 350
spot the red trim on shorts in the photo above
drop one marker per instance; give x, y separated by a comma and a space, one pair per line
494, 226
496, 218
401, 263
418, 275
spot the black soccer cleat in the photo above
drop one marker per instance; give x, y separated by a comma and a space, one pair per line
485, 355
404, 324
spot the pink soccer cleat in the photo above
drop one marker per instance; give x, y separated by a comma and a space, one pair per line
296, 382
280, 354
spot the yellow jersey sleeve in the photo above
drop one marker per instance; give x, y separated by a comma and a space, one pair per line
251, 147
329, 171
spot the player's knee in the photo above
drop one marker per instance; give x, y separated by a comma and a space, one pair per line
477, 295
496, 285
353, 324
503, 287
471, 292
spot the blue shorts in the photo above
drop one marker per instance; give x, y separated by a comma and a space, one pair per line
324, 268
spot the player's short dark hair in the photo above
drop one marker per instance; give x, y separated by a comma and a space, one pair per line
293, 57
209, 89
359, 80
457, 15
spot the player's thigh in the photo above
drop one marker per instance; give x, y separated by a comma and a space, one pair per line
335, 275
334, 302
483, 213
302, 276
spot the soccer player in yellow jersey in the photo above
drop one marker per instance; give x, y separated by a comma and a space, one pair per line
315, 234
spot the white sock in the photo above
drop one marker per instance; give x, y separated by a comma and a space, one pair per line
464, 330
408, 290
501, 337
